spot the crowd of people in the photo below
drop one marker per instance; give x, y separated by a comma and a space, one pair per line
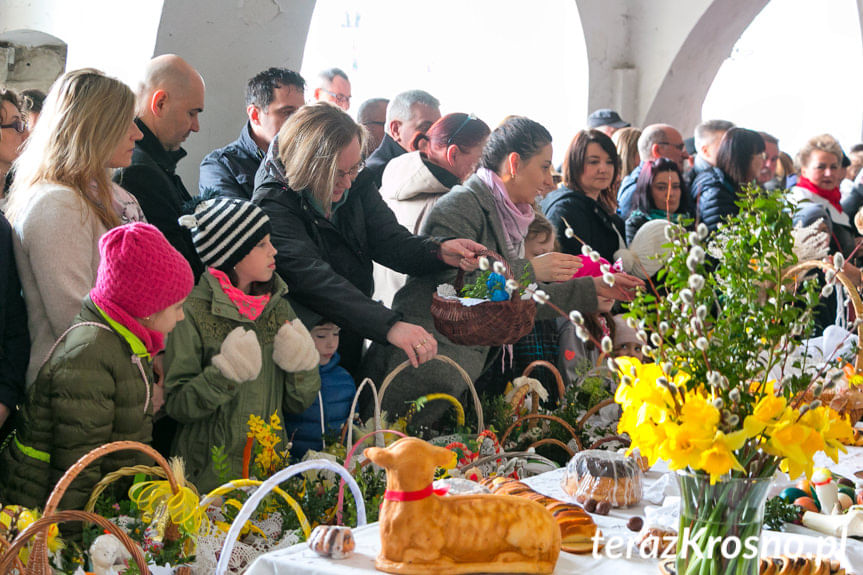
134, 309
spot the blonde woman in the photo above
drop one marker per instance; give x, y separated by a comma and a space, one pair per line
626, 142
62, 200
328, 233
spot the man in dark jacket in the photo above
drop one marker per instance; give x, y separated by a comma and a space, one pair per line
170, 99
271, 97
408, 114
14, 337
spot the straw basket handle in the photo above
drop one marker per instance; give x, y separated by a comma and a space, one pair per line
39, 554
348, 436
267, 486
459, 276
476, 404
510, 455
553, 418
16, 562
561, 389
593, 411
849, 287
42, 525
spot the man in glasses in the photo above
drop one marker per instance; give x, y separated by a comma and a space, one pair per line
334, 86
408, 114
656, 141
272, 96
373, 115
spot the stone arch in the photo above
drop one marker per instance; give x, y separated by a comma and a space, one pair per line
682, 90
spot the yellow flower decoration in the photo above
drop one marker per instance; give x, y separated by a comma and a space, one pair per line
767, 412
719, 459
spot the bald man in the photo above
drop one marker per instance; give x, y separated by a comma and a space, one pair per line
168, 103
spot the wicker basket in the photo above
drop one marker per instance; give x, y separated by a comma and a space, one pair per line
845, 401
38, 564
547, 440
476, 403
488, 323
35, 567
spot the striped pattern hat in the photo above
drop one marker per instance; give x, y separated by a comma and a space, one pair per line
225, 230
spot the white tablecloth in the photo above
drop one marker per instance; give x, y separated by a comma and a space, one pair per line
798, 540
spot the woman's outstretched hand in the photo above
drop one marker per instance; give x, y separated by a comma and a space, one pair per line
461, 253
623, 289
555, 266
419, 345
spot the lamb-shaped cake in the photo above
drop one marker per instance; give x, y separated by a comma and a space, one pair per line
424, 533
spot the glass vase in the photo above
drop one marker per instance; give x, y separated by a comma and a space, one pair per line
720, 524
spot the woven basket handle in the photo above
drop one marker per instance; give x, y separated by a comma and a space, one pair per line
16, 562
849, 287
593, 411
476, 404
554, 418
510, 455
39, 553
561, 390
348, 436
491, 254
42, 525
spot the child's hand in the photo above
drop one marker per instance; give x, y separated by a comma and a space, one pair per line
240, 357
294, 349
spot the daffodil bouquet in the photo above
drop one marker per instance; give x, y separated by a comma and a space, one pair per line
723, 399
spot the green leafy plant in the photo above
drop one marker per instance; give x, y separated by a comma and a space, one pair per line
778, 512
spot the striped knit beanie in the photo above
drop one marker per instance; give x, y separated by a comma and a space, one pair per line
225, 230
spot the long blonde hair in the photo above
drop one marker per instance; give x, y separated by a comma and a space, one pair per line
85, 116
309, 146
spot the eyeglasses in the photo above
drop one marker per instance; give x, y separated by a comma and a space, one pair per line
18, 125
460, 128
340, 98
679, 147
352, 173
370, 123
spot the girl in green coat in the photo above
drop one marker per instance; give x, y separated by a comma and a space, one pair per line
97, 384
241, 351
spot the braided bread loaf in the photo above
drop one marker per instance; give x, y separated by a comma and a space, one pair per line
577, 528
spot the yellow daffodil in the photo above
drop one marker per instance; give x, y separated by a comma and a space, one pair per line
719, 459
685, 444
831, 429
767, 412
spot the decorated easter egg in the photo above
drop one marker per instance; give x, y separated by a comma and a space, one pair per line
806, 503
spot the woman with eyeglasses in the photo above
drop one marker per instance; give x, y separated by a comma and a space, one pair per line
442, 157
495, 208
660, 194
62, 200
738, 163
329, 232
13, 132
587, 203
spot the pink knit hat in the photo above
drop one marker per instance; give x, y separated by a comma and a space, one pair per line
139, 272
590, 268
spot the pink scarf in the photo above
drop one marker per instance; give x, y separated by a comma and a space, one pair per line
153, 340
515, 217
249, 306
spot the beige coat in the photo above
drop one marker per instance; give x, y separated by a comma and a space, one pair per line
410, 190
56, 244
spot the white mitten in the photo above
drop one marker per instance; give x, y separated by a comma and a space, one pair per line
294, 349
240, 356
